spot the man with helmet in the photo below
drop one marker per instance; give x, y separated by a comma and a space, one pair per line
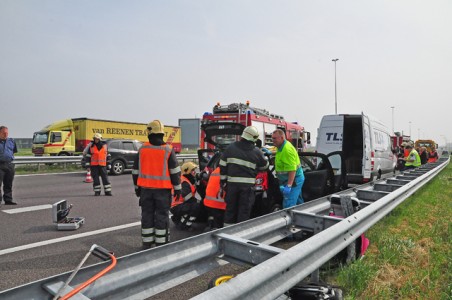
97, 153
155, 173
185, 208
239, 165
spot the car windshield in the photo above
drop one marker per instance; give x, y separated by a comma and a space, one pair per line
40, 137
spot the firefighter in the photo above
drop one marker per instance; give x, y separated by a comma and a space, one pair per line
214, 202
239, 165
155, 172
288, 170
97, 153
186, 207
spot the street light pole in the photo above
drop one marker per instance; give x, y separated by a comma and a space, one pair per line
392, 119
410, 128
335, 86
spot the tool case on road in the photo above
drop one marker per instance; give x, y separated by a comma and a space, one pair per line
60, 212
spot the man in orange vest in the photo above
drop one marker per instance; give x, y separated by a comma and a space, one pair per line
97, 153
155, 173
214, 202
185, 209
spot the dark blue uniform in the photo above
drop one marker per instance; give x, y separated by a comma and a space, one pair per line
7, 149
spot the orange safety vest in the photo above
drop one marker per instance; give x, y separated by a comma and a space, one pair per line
432, 157
153, 169
213, 198
98, 157
181, 199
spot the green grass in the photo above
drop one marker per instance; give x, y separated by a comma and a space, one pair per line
410, 256
24, 152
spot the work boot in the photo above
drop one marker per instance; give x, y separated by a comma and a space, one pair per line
10, 203
96, 193
108, 194
146, 245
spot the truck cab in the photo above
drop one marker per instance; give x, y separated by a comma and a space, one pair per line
56, 139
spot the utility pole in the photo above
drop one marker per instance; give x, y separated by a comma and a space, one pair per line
335, 86
392, 107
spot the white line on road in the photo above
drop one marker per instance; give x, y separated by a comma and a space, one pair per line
27, 209
67, 238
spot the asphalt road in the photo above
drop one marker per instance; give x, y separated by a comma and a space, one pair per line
29, 245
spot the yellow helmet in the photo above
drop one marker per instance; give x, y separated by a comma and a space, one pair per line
250, 133
156, 127
97, 136
188, 167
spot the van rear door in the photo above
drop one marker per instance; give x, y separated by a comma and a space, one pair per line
329, 135
368, 159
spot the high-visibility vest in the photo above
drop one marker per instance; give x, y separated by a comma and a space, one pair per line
213, 198
417, 160
153, 169
98, 157
181, 199
432, 157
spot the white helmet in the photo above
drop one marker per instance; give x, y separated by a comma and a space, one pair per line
97, 136
250, 133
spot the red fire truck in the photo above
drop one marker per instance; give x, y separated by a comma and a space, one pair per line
264, 121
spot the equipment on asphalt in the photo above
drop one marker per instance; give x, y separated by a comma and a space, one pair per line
96, 250
88, 178
60, 212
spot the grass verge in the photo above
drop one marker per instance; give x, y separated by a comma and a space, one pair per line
410, 255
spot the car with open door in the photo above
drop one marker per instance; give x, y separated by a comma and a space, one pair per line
321, 178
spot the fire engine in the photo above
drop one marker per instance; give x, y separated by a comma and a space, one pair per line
264, 121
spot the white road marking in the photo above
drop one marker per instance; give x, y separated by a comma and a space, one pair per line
67, 238
27, 209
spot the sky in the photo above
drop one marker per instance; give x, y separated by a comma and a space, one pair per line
137, 61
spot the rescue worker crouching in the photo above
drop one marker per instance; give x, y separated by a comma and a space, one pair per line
155, 173
214, 202
96, 153
185, 208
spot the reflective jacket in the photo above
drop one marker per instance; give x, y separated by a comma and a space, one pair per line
153, 169
98, 157
213, 198
187, 196
240, 163
417, 159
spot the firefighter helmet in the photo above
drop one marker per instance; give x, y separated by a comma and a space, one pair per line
97, 136
188, 167
156, 127
250, 133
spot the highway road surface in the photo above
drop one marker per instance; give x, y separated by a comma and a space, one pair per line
30, 246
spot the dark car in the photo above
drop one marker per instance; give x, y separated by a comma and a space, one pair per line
321, 178
123, 153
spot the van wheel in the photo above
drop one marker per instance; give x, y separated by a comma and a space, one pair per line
216, 281
117, 167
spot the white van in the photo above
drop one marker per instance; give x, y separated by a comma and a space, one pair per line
365, 144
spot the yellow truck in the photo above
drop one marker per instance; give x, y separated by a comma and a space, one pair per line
429, 144
70, 136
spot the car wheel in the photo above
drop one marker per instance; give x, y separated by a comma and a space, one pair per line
117, 167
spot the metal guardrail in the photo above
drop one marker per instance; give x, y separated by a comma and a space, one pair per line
144, 274
36, 160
